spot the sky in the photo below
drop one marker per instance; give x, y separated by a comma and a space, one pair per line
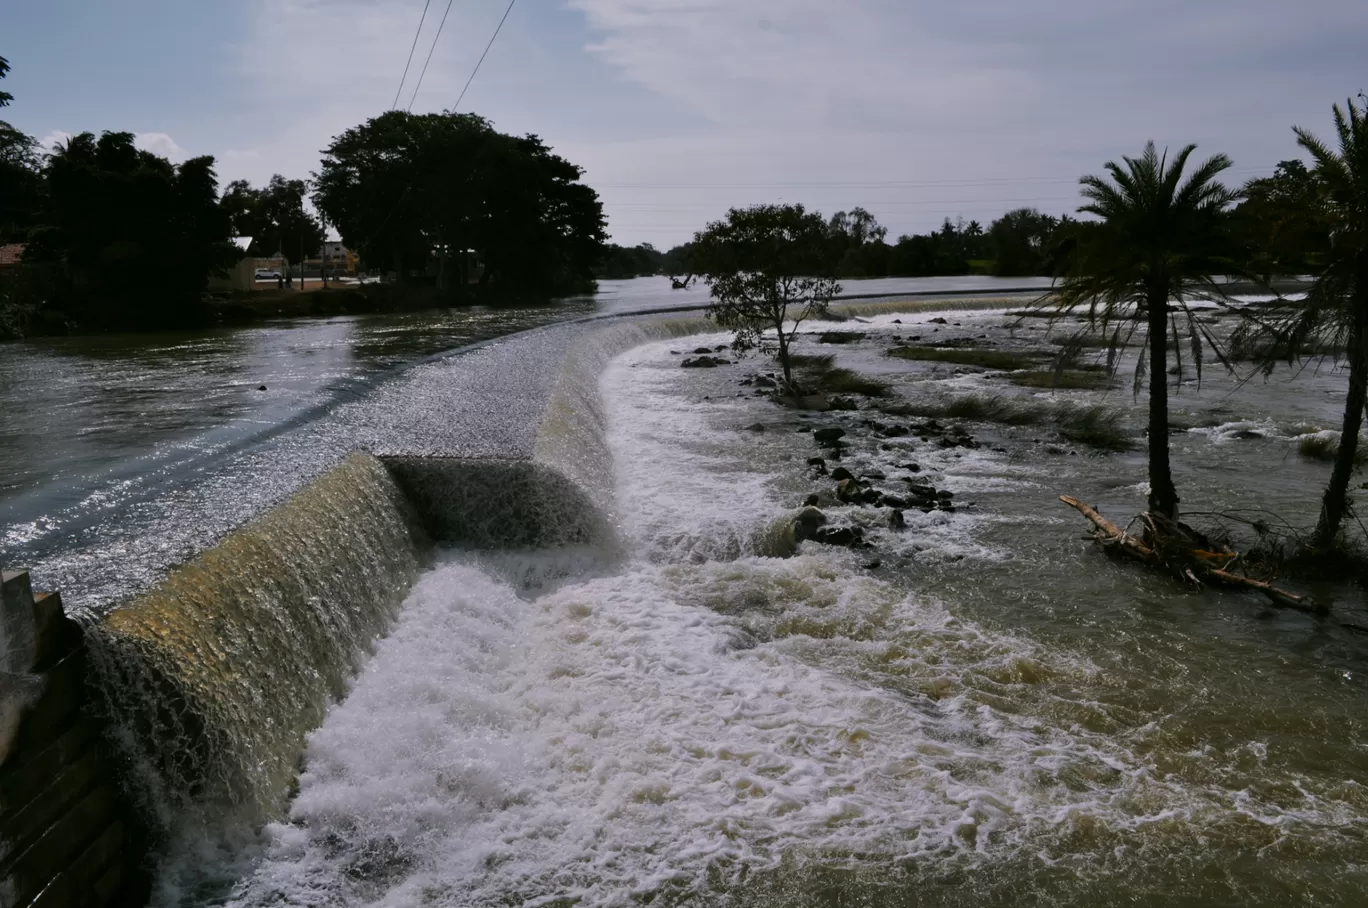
679, 109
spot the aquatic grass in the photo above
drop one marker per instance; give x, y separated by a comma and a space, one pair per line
820, 373
987, 359
1094, 425
1325, 446
1085, 379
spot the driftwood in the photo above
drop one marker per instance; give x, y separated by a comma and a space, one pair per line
1181, 549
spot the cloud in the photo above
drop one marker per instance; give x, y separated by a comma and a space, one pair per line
680, 108
53, 140
159, 143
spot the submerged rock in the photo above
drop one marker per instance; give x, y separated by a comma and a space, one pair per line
896, 520
847, 536
843, 403
756, 427
829, 434
811, 501
705, 362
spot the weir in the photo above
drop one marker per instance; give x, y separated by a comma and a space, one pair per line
189, 702
204, 685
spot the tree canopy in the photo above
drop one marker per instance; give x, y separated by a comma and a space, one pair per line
405, 189
130, 230
767, 268
274, 217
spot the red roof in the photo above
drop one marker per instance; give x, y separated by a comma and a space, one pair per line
10, 254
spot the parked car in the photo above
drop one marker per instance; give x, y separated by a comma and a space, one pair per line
265, 274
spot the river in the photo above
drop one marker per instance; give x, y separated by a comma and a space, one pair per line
103, 436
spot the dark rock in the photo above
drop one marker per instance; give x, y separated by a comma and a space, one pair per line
897, 321
838, 535
1243, 434
261, 387
874, 475
811, 500
871, 497
674, 352
841, 473
719, 349
701, 350
764, 381
817, 462
756, 427
893, 501
829, 434
895, 431
896, 520
704, 362
808, 523
911, 467
849, 491
805, 428
916, 337
872, 565
938, 321
842, 403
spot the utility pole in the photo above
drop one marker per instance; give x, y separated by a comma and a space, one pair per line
301, 261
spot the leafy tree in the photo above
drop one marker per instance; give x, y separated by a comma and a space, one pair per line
405, 188
134, 234
621, 262
1336, 305
5, 97
21, 183
765, 267
1021, 241
274, 217
1161, 238
1281, 221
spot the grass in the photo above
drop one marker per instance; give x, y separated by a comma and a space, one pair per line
1094, 425
819, 373
1325, 446
986, 359
1094, 379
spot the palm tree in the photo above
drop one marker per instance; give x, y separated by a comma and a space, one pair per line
1161, 242
1335, 311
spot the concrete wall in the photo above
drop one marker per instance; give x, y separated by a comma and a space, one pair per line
66, 836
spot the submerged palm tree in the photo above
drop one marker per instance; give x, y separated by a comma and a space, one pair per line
1334, 314
1161, 243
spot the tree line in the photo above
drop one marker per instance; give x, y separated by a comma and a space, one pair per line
1159, 237
115, 237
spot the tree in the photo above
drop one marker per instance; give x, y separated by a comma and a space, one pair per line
5, 97
136, 236
405, 188
1021, 242
1280, 221
766, 268
1336, 306
1161, 238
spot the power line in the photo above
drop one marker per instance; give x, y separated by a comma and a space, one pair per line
435, 39
483, 55
409, 63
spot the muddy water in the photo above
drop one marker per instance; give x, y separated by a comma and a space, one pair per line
978, 710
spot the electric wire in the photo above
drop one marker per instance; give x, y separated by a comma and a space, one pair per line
398, 91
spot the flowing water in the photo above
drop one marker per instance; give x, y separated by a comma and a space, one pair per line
979, 710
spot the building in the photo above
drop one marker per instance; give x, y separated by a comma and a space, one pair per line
10, 254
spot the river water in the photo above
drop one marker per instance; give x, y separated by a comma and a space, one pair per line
979, 710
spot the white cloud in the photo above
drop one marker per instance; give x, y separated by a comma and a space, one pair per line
916, 111
159, 143
53, 140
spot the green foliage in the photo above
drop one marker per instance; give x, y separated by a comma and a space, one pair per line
21, 184
1334, 314
1282, 222
621, 262
1063, 380
1094, 425
136, 236
405, 189
5, 97
1161, 242
767, 269
274, 217
820, 373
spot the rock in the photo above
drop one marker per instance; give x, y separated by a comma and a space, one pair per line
811, 500
841, 473
916, 337
261, 387
817, 462
808, 522
911, 467
719, 349
897, 321
704, 362
871, 497
838, 535
842, 403
805, 428
849, 491
937, 321
764, 381
699, 351
896, 520
872, 565
829, 434
895, 431
1243, 434
756, 427
874, 475
893, 501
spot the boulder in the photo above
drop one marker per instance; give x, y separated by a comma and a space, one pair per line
764, 381
699, 351
896, 520
829, 434
849, 491
811, 500
703, 362
848, 536
842, 403
841, 473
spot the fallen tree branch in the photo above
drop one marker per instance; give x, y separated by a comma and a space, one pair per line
1184, 552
